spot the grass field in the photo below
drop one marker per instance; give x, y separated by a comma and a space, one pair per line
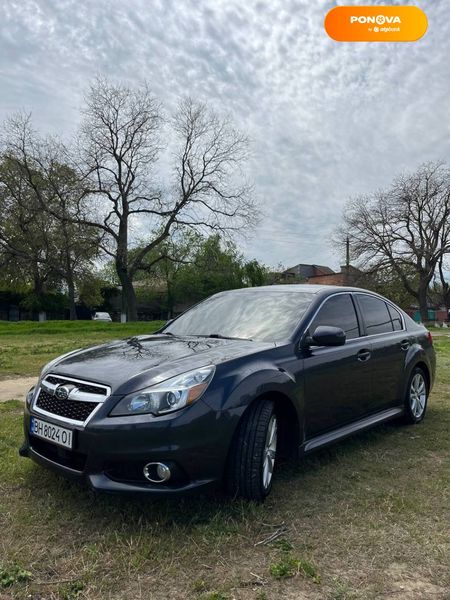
368, 518
26, 346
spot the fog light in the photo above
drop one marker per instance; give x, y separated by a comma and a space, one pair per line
156, 472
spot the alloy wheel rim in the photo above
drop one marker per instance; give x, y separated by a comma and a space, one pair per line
417, 395
270, 451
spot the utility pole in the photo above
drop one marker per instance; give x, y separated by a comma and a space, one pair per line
347, 253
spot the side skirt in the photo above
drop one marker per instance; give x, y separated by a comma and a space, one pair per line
343, 432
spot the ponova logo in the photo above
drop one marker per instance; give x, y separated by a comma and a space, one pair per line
376, 23
379, 19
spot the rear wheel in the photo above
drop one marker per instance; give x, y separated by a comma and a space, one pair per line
253, 453
416, 397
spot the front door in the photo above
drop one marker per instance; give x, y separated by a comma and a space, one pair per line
337, 380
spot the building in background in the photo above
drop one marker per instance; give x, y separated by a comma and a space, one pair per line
320, 274
348, 275
302, 272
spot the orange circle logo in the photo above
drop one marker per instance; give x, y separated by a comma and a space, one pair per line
376, 23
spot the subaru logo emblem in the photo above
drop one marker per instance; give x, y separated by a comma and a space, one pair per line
62, 392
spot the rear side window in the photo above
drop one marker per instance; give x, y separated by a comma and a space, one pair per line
338, 311
396, 318
376, 314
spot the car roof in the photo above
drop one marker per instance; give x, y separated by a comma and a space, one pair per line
301, 287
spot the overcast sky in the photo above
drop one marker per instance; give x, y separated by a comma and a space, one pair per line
326, 119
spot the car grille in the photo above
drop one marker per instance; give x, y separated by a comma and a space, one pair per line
76, 410
83, 397
88, 388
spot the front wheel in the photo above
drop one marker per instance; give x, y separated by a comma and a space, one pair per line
253, 453
416, 397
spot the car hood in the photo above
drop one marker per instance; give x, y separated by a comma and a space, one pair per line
131, 364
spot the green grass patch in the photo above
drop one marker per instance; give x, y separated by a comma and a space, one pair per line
214, 596
71, 590
289, 566
368, 518
25, 346
12, 573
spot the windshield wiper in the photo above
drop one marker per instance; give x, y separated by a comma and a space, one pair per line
219, 336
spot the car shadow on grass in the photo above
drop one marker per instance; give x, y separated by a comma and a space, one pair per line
61, 498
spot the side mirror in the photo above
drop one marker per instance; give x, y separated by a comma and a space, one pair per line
326, 335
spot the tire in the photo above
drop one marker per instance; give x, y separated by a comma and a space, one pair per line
253, 452
416, 399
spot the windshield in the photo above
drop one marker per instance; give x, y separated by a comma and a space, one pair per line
257, 315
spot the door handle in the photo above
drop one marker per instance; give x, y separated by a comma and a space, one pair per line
364, 355
404, 345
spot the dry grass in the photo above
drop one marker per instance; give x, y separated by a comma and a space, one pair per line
368, 518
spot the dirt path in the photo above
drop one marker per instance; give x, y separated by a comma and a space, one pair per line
15, 389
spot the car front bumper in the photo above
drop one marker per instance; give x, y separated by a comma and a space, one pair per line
109, 453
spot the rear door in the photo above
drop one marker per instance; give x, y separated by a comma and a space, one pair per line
337, 380
384, 327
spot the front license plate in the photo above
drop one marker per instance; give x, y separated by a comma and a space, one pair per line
51, 433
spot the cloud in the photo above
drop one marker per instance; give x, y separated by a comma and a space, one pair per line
327, 120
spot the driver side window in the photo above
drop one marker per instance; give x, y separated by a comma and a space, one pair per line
338, 311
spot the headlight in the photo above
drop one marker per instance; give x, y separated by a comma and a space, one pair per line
29, 396
165, 397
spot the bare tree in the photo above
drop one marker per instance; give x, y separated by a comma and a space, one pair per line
120, 143
210, 189
405, 228
210, 192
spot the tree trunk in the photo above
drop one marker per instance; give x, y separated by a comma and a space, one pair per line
38, 284
170, 301
129, 302
447, 301
71, 293
39, 290
423, 302
445, 286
